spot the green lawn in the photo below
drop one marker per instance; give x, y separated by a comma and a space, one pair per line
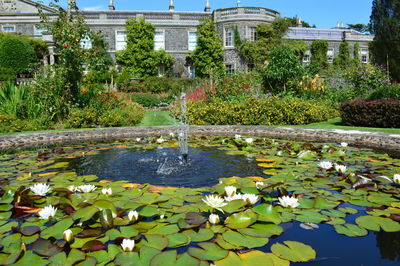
157, 118
335, 123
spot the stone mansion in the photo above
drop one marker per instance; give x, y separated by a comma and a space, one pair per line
176, 31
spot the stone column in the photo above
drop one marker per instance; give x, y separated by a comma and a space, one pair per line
51, 55
171, 6
207, 8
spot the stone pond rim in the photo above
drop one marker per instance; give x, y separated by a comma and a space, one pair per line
376, 140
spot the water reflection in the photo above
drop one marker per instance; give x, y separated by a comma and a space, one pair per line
389, 245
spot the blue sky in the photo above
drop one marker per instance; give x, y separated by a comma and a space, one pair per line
322, 13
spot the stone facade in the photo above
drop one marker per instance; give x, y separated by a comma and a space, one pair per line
174, 29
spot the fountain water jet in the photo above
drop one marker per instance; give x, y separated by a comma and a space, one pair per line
183, 129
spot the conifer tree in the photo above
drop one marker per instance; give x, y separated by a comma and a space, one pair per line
385, 24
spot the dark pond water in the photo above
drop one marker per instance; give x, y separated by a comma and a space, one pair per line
165, 167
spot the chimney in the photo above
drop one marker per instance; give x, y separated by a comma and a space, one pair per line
171, 6
299, 23
111, 5
207, 8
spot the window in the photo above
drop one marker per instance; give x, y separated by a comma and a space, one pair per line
228, 37
161, 70
230, 69
252, 34
329, 55
191, 72
364, 56
86, 43
159, 40
120, 40
39, 30
307, 56
9, 28
192, 43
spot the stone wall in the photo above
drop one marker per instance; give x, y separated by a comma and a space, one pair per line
360, 138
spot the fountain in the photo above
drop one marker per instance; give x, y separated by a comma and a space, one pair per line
183, 129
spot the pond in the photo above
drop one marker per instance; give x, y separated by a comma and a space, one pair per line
235, 201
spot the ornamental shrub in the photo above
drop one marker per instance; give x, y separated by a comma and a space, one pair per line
383, 113
146, 99
17, 55
385, 92
255, 111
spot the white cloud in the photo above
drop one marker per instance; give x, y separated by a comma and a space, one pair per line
93, 8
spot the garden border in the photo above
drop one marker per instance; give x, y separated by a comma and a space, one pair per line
376, 140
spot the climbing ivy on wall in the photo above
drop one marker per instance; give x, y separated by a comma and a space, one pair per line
139, 57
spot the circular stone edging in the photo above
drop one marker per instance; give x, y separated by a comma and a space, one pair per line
353, 137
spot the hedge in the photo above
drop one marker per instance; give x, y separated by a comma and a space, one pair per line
379, 113
254, 111
17, 55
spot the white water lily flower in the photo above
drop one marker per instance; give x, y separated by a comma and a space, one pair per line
72, 188
171, 135
86, 188
325, 165
128, 245
133, 216
213, 219
230, 191
340, 168
234, 197
396, 179
237, 136
160, 140
260, 185
287, 201
215, 202
138, 139
250, 198
303, 154
344, 144
106, 191
40, 189
68, 235
341, 153
279, 153
47, 212
249, 140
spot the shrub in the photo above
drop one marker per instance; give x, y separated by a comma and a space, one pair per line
146, 99
254, 111
17, 55
82, 118
379, 113
385, 92
7, 74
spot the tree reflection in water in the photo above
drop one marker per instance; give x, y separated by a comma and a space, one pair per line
389, 245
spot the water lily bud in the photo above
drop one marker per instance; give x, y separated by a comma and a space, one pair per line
138, 139
213, 219
128, 245
249, 140
237, 136
23, 247
396, 179
259, 185
160, 140
68, 235
133, 216
30, 174
106, 191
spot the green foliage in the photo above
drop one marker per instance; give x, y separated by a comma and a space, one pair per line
208, 56
139, 57
385, 92
125, 115
17, 55
68, 31
269, 36
356, 54
319, 50
12, 98
359, 27
253, 111
283, 70
7, 74
38, 45
146, 99
343, 60
385, 25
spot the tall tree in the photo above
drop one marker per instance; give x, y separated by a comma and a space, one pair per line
343, 60
319, 50
385, 24
359, 27
208, 57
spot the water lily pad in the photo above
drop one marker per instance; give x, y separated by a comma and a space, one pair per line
241, 240
377, 223
351, 230
200, 236
30, 230
266, 213
241, 220
57, 229
293, 251
106, 205
149, 211
45, 248
162, 229
171, 258
208, 252
234, 206
85, 214
156, 241
255, 257
178, 240
128, 231
262, 230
